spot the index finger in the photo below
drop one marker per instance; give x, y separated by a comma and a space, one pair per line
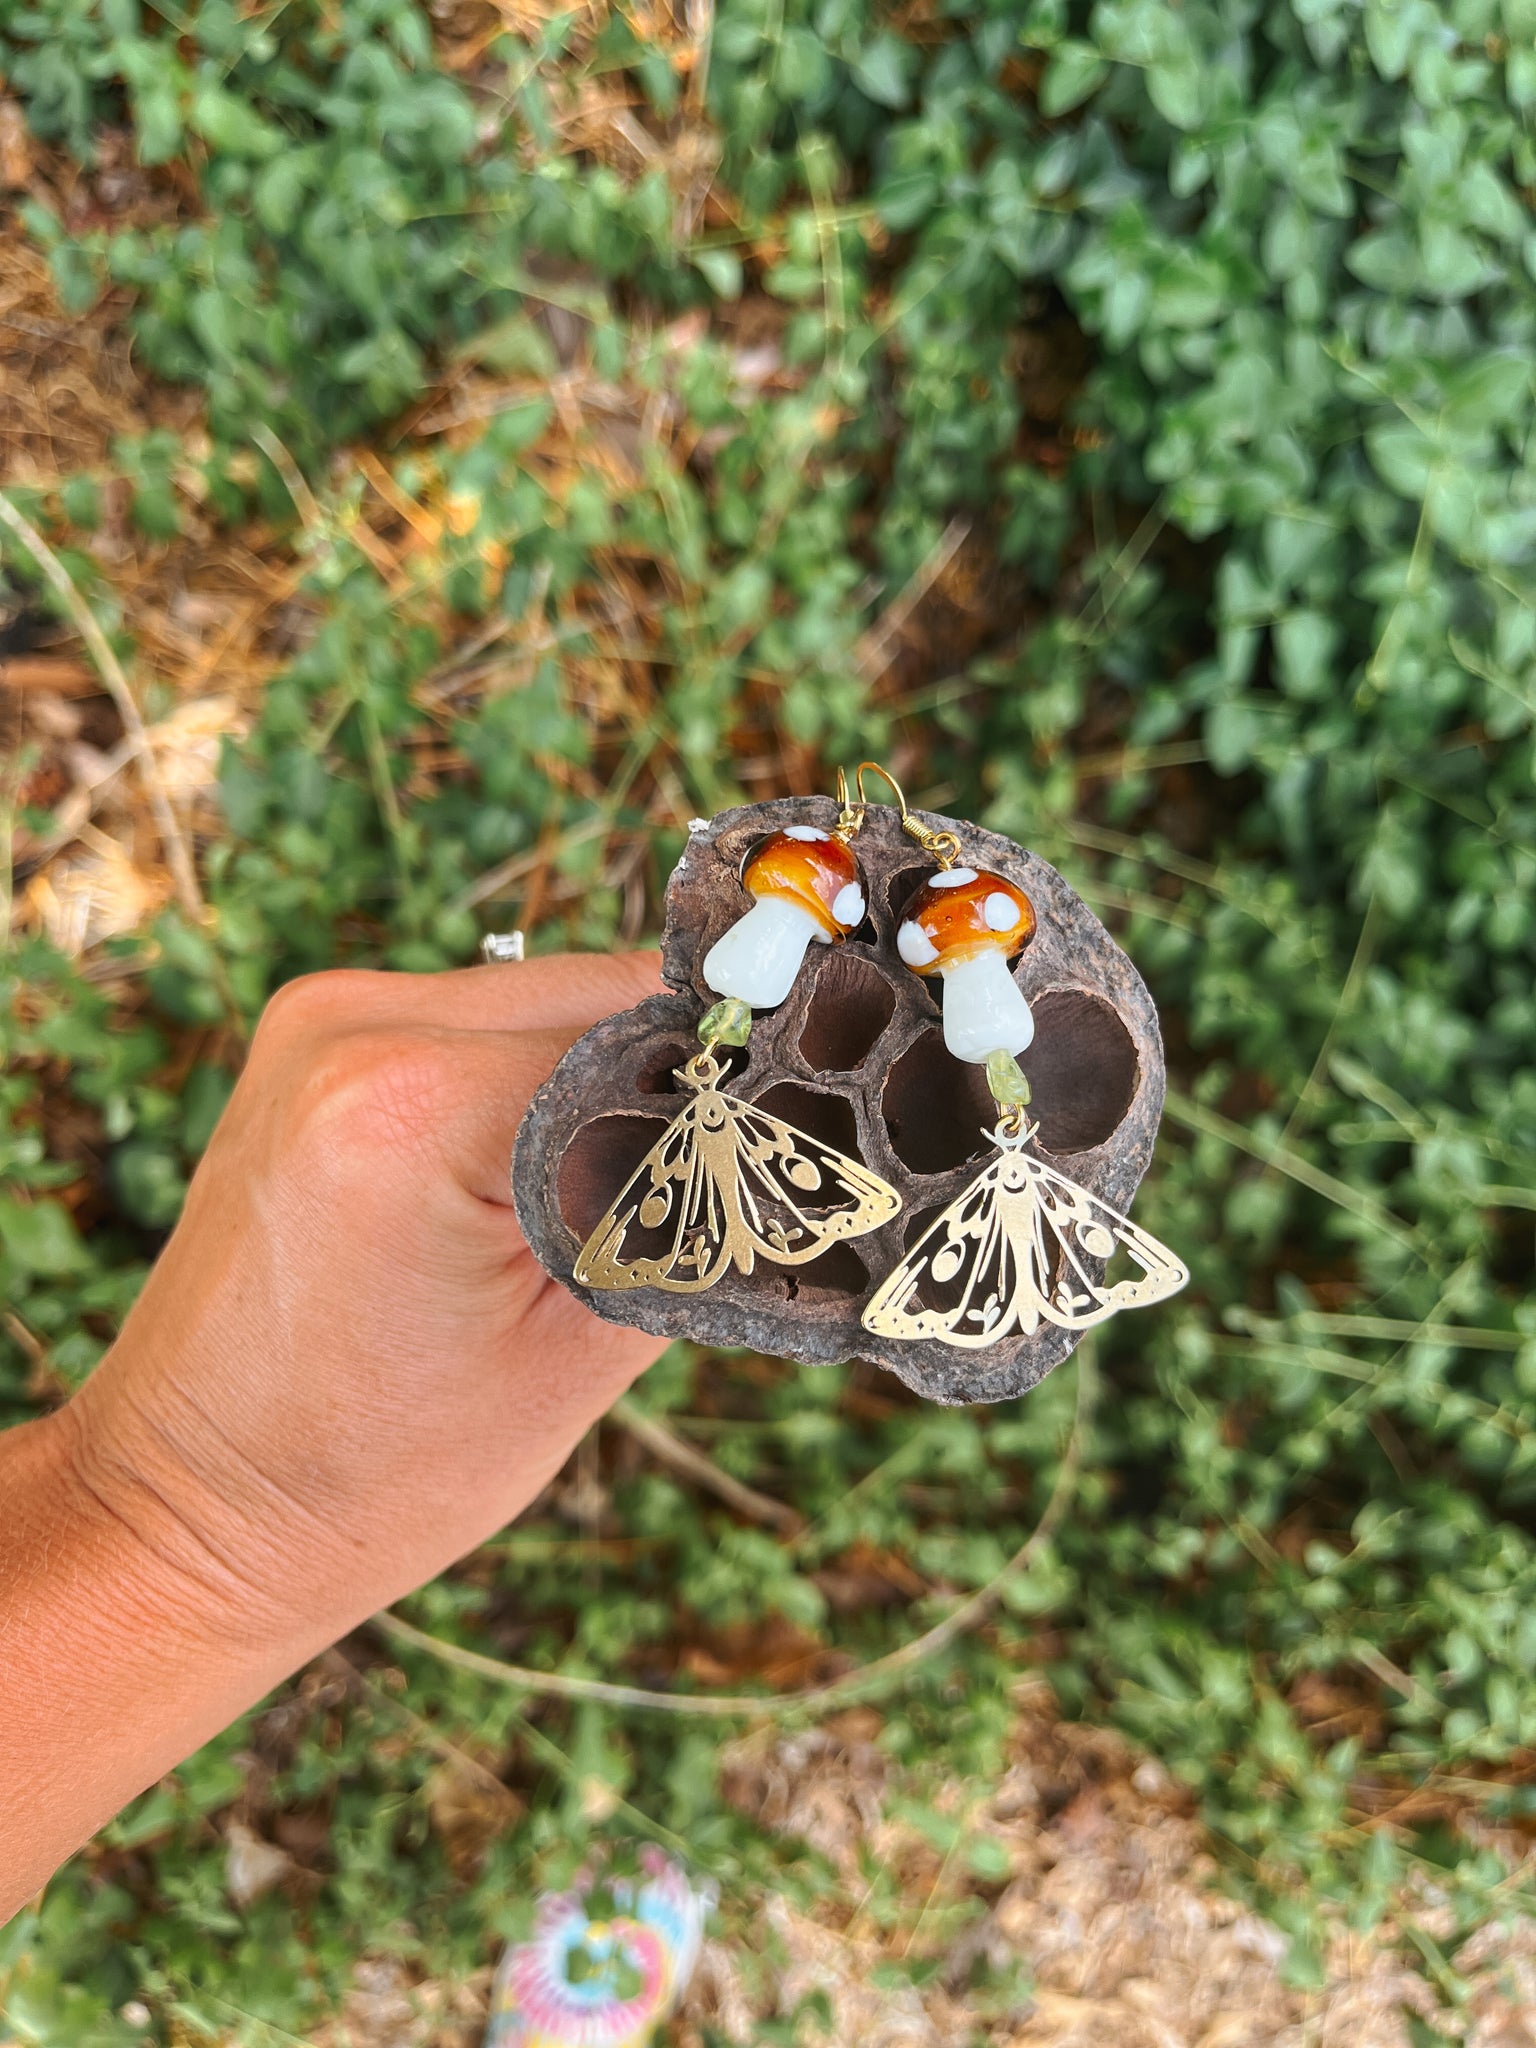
556, 992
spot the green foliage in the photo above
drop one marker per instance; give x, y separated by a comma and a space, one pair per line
1280, 552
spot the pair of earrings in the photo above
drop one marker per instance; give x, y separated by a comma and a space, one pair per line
728, 1184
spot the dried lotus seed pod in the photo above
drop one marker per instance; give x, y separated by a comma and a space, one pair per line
854, 1054
804, 885
965, 925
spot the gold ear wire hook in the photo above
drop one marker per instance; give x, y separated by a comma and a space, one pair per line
874, 768
944, 846
849, 819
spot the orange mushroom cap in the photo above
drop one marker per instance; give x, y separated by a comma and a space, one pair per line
961, 913
806, 866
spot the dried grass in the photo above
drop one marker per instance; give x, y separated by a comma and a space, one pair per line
208, 613
212, 613
1109, 1912
387, 2008
1106, 1916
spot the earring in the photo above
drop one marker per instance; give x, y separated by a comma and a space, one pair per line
1022, 1244
727, 1184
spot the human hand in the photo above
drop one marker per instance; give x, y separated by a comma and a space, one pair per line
345, 1371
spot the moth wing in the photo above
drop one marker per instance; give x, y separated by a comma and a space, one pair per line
985, 1251
1084, 1228
1015, 1249
673, 1188
797, 1195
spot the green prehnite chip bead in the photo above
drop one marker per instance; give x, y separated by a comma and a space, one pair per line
728, 1023
1007, 1080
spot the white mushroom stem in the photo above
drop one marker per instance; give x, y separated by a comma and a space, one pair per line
984, 1010
758, 958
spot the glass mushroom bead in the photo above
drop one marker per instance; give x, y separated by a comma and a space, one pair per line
804, 886
966, 926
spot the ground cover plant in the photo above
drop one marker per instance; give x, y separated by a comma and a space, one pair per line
487, 438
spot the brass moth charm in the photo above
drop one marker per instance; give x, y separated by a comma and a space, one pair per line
728, 1185
1016, 1249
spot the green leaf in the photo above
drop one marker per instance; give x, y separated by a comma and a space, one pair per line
229, 125
41, 1237
883, 70
906, 198
795, 281
281, 187
1403, 456
721, 271
1177, 90
1075, 71
1493, 390
157, 114
1305, 643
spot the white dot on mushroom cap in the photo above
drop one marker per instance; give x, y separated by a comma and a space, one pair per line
805, 832
915, 946
848, 904
1000, 911
952, 878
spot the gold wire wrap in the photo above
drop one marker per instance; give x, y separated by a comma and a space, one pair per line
944, 846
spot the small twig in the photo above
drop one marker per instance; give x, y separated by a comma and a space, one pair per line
496, 879
72, 817
1463, 1336
430, 1737
872, 653
1123, 760
1195, 1116
304, 501
662, 1443
1389, 1674
1359, 966
320, 530
425, 525
1117, 577
1169, 861
173, 843
44, 1377
858, 1683
565, 1767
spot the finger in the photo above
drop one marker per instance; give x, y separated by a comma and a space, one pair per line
556, 992
498, 1074
447, 1101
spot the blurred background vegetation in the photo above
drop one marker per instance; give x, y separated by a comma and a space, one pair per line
485, 437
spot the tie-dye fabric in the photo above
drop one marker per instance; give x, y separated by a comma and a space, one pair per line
587, 1982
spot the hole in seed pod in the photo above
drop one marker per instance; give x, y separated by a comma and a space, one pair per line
838, 1274
827, 1117
937, 1109
902, 887
749, 847
657, 1072
733, 849
851, 1004
596, 1164
1082, 1067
